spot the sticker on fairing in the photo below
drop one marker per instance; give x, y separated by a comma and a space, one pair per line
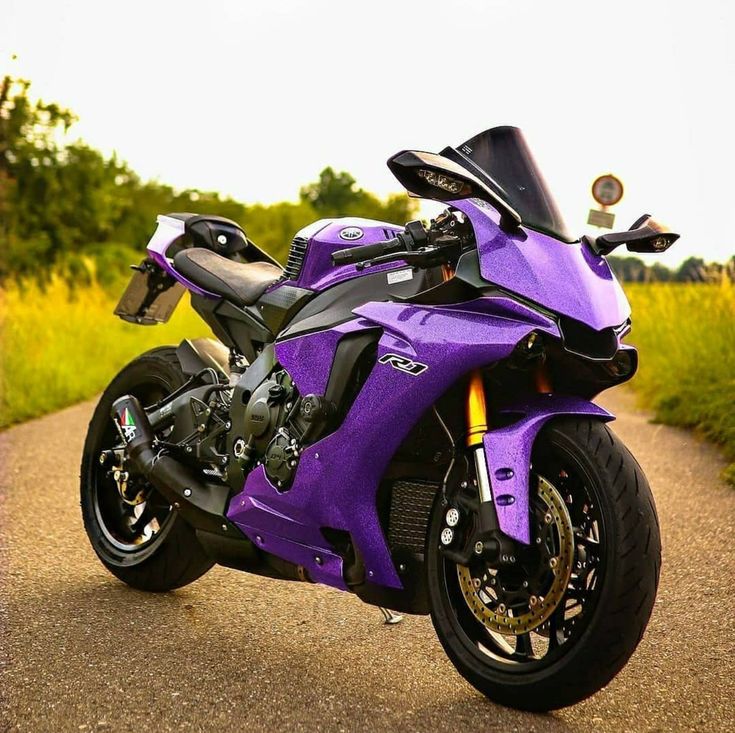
402, 364
399, 276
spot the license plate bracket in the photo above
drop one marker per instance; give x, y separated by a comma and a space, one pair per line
150, 297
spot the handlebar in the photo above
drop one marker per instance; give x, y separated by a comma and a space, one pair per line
415, 245
413, 237
353, 255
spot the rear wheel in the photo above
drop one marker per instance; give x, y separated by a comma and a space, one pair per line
559, 626
134, 531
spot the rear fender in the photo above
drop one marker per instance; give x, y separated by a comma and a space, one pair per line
167, 232
508, 455
197, 354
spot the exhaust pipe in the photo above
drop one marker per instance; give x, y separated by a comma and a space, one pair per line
202, 505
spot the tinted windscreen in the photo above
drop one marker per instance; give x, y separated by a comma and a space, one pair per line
501, 158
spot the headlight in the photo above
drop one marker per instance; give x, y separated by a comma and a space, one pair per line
446, 183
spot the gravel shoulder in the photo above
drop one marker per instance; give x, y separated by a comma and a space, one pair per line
82, 652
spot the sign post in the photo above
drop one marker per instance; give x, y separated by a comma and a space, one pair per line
607, 190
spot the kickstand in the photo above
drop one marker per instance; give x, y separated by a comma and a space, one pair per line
389, 617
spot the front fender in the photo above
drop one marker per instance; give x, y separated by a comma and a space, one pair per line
508, 455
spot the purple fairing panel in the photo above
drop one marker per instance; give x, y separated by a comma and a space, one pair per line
167, 232
317, 271
508, 455
564, 278
308, 359
338, 477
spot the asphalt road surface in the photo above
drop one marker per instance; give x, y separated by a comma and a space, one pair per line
82, 652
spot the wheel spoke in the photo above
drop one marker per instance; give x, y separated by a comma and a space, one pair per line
524, 647
145, 516
556, 635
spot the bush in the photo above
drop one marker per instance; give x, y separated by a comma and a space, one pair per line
686, 335
61, 344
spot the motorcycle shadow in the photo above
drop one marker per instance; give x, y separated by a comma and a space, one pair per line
270, 655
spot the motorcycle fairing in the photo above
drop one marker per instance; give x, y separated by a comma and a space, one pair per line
565, 278
508, 455
337, 479
167, 232
310, 357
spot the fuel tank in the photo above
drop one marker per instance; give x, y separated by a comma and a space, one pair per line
309, 262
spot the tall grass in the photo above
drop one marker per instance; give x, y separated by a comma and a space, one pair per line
61, 345
685, 333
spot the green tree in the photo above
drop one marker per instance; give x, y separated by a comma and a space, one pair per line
56, 199
660, 273
337, 194
693, 269
29, 155
628, 269
333, 194
61, 202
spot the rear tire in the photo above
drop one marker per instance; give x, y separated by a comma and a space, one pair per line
608, 629
170, 558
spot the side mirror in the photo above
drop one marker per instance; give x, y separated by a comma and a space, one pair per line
651, 236
645, 236
432, 176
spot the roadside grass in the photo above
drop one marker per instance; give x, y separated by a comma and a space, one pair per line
685, 333
60, 345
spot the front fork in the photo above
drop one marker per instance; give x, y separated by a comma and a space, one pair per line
476, 429
477, 422
489, 542
504, 465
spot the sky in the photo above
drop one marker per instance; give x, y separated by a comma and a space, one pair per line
253, 99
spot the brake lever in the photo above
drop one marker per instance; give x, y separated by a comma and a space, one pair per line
416, 259
443, 248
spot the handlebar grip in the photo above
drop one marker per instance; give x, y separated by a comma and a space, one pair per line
351, 255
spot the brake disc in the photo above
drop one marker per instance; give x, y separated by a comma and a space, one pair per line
533, 599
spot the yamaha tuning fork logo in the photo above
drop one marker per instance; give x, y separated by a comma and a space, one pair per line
351, 233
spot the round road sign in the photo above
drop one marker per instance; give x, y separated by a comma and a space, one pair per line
607, 190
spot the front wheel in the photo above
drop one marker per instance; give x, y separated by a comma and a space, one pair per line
561, 624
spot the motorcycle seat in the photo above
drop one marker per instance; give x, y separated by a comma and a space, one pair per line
242, 283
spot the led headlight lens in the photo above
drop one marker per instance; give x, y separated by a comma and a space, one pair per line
441, 181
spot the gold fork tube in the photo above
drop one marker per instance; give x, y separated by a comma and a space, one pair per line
476, 410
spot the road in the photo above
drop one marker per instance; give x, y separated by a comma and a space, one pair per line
82, 652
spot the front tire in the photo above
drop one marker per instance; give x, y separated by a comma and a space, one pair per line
147, 545
612, 582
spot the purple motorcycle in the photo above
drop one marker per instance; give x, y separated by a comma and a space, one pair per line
402, 413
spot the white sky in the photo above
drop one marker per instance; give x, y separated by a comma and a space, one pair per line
254, 98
